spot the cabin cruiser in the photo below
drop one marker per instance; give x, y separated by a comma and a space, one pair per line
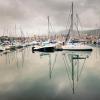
47, 46
44, 47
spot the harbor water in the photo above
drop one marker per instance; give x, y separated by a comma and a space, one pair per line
50, 76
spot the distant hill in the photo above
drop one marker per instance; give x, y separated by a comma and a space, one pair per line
92, 32
89, 32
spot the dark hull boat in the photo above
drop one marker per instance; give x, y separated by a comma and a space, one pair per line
44, 49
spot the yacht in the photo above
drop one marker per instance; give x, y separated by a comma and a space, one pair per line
71, 44
76, 46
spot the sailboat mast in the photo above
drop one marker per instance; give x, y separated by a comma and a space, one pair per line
48, 26
72, 18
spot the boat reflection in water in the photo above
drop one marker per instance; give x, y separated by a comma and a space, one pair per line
74, 62
50, 76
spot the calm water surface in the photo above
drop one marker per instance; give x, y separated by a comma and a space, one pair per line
48, 76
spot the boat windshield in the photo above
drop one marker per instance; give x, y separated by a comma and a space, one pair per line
73, 41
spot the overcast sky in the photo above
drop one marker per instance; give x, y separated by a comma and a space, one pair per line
31, 15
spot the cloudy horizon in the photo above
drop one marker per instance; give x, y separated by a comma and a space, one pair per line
31, 15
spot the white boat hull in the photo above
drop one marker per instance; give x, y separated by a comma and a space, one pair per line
78, 47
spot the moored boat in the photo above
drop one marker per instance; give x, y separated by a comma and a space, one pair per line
71, 44
76, 47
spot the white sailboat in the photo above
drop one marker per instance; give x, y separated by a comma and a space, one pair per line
71, 45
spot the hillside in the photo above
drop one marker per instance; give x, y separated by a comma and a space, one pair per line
89, 32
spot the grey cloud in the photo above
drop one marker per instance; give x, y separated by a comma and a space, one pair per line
32, 11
